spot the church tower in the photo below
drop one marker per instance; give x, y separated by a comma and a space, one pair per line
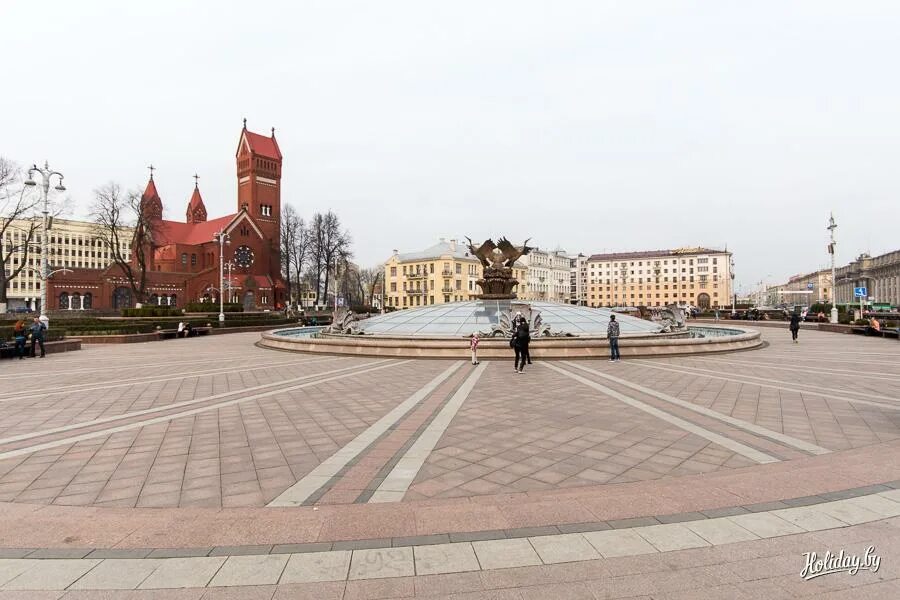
259, 187
196, 210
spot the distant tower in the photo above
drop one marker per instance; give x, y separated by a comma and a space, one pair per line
196, 210
259, 186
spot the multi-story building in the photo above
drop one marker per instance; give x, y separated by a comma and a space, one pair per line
72, 244
578, 279
880, 275
548, 276
696, 276
445, 272
808, 288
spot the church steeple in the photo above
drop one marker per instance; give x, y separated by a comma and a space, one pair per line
196, 210
151, 204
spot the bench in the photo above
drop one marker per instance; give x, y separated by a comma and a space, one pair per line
173, 333
884, 332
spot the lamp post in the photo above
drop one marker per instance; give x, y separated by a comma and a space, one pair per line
46, 174
223, 238
834, 311
229, 265
731, 272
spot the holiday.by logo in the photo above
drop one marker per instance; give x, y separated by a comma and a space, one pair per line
829, 563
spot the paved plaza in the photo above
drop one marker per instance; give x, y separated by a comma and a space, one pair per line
231, 471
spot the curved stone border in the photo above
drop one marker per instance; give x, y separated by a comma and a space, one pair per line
234, 567
889, 489
489, 348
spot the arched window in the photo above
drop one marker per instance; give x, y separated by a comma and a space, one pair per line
172, 300
193, 260
184, 258
154, 299
75, 301
63, 301
87, 301
121, 298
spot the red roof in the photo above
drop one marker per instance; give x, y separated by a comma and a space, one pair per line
174, 232
150, 191
196, 200
262, 145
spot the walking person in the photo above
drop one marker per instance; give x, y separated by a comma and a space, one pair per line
794, 326
612, 333
473, 345
37, 337
523, 338
19, 336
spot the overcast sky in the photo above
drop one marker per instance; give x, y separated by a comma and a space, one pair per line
592, 126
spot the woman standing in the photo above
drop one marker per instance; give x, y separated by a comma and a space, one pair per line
522, 339
19, 335
795, 326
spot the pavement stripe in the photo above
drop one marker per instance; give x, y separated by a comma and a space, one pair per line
147, 411
394, 486
130, 365
816, 390
109, 431
742, 449
298, 493
856, 374
150, 379
739, 423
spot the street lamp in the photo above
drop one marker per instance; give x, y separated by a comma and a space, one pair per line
834, 311
223, 238
46, 174
733, 293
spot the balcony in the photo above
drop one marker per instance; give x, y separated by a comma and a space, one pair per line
417, 275
447, 273
420, 292
447, 290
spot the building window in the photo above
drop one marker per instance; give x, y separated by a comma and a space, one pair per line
87, 301
193, 260
63, 301
184, 258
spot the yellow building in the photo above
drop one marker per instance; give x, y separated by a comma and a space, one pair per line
72, 244
686, 276
445, 272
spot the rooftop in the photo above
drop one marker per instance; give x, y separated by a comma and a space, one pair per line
441, 249
656, 253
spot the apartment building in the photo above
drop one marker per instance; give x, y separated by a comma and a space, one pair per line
548, 276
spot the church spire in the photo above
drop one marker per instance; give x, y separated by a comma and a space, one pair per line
151, 204
196, 210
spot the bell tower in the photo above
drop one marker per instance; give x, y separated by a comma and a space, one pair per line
258, 160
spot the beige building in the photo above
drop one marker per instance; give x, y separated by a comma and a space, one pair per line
807, 289
72, 244
697, 276
548, 277
578, 280
880, 275
443, 273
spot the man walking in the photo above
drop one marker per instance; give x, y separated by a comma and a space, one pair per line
612, 333
37, 336
794, 326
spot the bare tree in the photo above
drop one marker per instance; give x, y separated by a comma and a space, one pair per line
368, 281
332, 245
113, 212
17, 216
290, 222
300, 251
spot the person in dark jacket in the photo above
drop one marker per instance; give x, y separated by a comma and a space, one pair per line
795, 326
37, 337
612, 333
522, 339
19, 335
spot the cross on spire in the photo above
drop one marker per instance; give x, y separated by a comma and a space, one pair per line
196, 180
152, 168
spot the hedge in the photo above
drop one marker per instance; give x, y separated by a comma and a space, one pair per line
209, 307
151, 311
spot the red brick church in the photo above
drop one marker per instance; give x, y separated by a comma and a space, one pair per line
183, 261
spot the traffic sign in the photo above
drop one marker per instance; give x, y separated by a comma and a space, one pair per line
860, 292
809, 286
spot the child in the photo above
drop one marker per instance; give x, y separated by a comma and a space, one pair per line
474, 347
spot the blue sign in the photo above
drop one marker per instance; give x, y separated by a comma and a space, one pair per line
809, 286
860, 292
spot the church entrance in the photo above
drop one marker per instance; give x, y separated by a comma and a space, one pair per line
249, 301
